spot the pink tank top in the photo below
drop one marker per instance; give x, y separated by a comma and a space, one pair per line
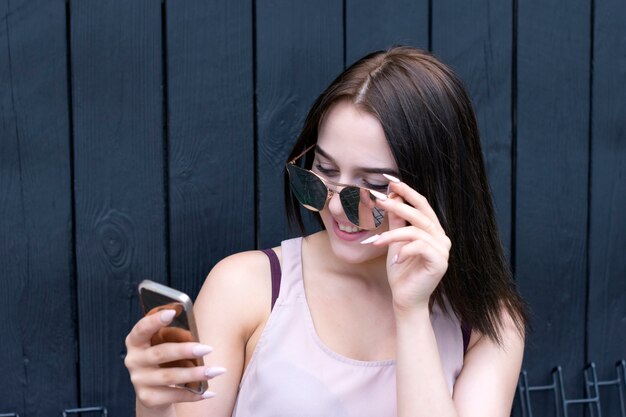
293, 374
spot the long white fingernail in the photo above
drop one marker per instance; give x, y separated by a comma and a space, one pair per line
214, 371
391, 178
208, 394
201, 350
370, 239
166, 316
378, 195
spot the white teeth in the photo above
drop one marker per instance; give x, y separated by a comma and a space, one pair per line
349, 229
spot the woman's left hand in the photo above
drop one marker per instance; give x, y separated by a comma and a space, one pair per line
419, 248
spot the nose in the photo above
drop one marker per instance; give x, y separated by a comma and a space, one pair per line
334, 205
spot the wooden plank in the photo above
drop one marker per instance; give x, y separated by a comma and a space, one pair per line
606, 328
372, 25
483, 57
211, 135
36, 294
553, 41
119, 180
299, 52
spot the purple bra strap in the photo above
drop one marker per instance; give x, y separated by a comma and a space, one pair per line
275, 267
466, 330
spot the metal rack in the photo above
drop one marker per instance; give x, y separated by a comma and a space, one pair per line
593, 392
102, 410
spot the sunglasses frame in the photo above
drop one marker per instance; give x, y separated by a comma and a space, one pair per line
329, 192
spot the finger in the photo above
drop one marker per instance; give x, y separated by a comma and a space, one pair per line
410, 234
176, 376
395, 221
170, 352
152, 397
420, 248
145, 328
181, 363
173, 334
410, 214
415, 199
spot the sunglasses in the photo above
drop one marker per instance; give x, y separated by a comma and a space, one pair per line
314, 192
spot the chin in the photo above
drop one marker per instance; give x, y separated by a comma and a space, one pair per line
354, 256
351, 250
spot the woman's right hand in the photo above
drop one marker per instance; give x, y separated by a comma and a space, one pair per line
155, 386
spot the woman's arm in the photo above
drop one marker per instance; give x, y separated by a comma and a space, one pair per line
233, 304
416, 262
421, 384
485, 387
487, 383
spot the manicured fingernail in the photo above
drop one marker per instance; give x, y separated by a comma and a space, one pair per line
391, 178
394, 259
378, 195
370, 239
208, 394
166, 316
201, 350
214, 371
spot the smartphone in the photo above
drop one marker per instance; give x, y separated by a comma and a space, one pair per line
155, 297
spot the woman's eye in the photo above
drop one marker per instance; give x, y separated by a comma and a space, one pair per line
325, 171
374, 186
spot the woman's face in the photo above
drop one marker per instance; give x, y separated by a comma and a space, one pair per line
352, 149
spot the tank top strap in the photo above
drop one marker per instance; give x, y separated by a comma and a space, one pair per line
291, 286
286, 279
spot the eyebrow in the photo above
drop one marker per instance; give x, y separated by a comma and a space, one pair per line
362, 169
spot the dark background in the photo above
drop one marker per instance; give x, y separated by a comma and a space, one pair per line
146, 139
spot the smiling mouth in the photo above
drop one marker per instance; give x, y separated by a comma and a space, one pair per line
348, 229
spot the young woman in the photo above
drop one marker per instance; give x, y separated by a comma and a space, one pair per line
403, 305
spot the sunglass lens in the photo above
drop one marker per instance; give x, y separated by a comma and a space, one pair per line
350, 201
360, 209
308, 189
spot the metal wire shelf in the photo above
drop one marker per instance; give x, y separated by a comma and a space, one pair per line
593, 395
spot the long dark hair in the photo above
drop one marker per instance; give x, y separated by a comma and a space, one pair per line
431, 128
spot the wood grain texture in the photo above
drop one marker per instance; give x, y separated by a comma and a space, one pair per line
372, 25
129, 174
606, 328
479, 49
299, 52
211, 135
119, 171
36, 296
552, 184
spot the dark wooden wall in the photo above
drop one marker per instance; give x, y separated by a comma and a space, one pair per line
145, 139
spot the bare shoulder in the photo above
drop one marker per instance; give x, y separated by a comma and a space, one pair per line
236, 294
242, 268
239, 284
